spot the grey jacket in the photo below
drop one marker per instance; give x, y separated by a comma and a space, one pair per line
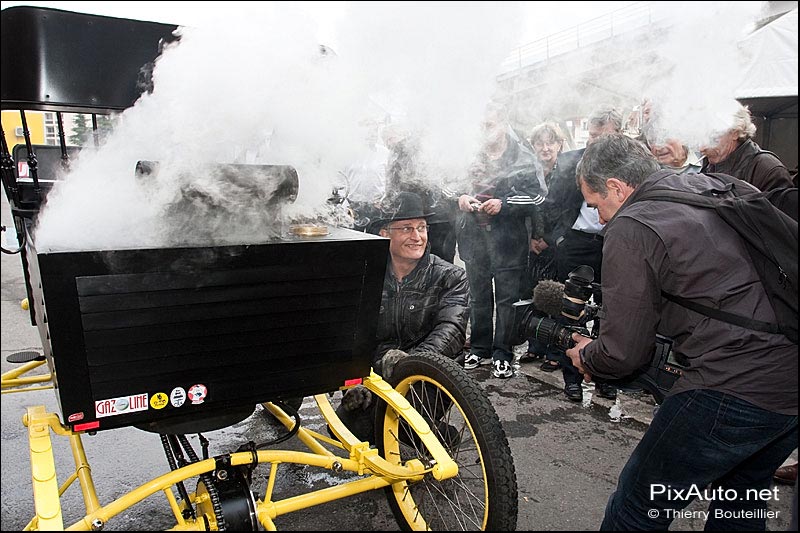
650, 246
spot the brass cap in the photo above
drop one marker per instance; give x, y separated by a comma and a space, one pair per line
308, 230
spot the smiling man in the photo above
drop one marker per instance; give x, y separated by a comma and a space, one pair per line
424, 305
425, 302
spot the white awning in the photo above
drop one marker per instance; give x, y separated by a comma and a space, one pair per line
771, 65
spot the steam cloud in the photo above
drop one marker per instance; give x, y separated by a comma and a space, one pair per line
685, 57
255, 89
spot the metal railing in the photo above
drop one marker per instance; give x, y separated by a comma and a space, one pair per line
624, 20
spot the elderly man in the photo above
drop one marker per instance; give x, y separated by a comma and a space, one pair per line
735, 153
731, 419
424, 305
675, 156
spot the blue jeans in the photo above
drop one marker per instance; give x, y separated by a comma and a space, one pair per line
700, 438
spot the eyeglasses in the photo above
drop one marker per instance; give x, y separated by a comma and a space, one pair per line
406, 230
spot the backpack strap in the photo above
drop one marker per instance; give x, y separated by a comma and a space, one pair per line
710, 199
718, 314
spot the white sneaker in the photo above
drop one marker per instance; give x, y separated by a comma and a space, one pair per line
502, 369
473, 361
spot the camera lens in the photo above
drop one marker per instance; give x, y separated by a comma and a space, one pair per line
577, 291
549, 332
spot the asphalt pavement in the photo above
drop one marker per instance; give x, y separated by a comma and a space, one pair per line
567, 455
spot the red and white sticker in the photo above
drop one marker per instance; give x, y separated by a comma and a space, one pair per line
121, 406
22, 169
197, 393
177, 397
75, 417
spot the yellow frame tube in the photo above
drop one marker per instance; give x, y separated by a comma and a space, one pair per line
361, 459
12, 378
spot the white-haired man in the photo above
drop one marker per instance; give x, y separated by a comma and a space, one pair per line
735, 153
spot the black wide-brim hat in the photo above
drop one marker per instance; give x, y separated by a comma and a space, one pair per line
404, 206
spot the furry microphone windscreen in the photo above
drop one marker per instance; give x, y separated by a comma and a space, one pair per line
547, 297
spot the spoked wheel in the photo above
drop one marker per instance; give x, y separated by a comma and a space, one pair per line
483, 496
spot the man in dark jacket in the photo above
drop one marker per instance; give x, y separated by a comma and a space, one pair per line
424, 305
425, 301
493, 240
406, 173
574, 233
736, 154
731, 419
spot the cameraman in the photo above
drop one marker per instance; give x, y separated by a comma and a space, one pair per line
731, 419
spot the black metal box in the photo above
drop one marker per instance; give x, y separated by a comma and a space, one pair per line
144, 336
62, 61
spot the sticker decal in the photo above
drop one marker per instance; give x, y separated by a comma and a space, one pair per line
197, 393
159, 400
177, 397
121, 405
74, 417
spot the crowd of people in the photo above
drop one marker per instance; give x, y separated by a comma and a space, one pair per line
532, 211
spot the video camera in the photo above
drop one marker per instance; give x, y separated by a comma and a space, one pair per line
578, 305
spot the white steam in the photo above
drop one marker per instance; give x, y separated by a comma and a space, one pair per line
700, 66
254, 88
686, 57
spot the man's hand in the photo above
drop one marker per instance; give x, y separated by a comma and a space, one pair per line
574, 354
492, 207
538, 246
465, 202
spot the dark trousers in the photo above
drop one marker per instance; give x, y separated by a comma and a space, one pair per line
576, 249
721, 448
486, 340
442, 236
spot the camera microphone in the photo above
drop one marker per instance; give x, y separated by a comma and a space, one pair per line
548, 296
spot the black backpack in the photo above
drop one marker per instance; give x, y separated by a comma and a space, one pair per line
767, 222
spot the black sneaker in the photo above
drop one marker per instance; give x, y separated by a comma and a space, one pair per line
604, 390
574, 392
474, 361
530, 357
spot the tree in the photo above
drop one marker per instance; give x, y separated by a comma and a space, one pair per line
80, 130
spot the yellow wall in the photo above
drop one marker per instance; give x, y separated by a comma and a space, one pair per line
12, 120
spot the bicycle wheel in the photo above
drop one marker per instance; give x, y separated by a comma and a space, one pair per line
483, 496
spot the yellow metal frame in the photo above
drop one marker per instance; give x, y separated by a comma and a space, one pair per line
16, 381
350, 455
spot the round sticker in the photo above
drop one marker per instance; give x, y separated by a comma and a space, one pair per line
197, 393
121, 405
177, 397
159, 400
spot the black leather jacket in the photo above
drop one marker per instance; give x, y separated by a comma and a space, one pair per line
426, 312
